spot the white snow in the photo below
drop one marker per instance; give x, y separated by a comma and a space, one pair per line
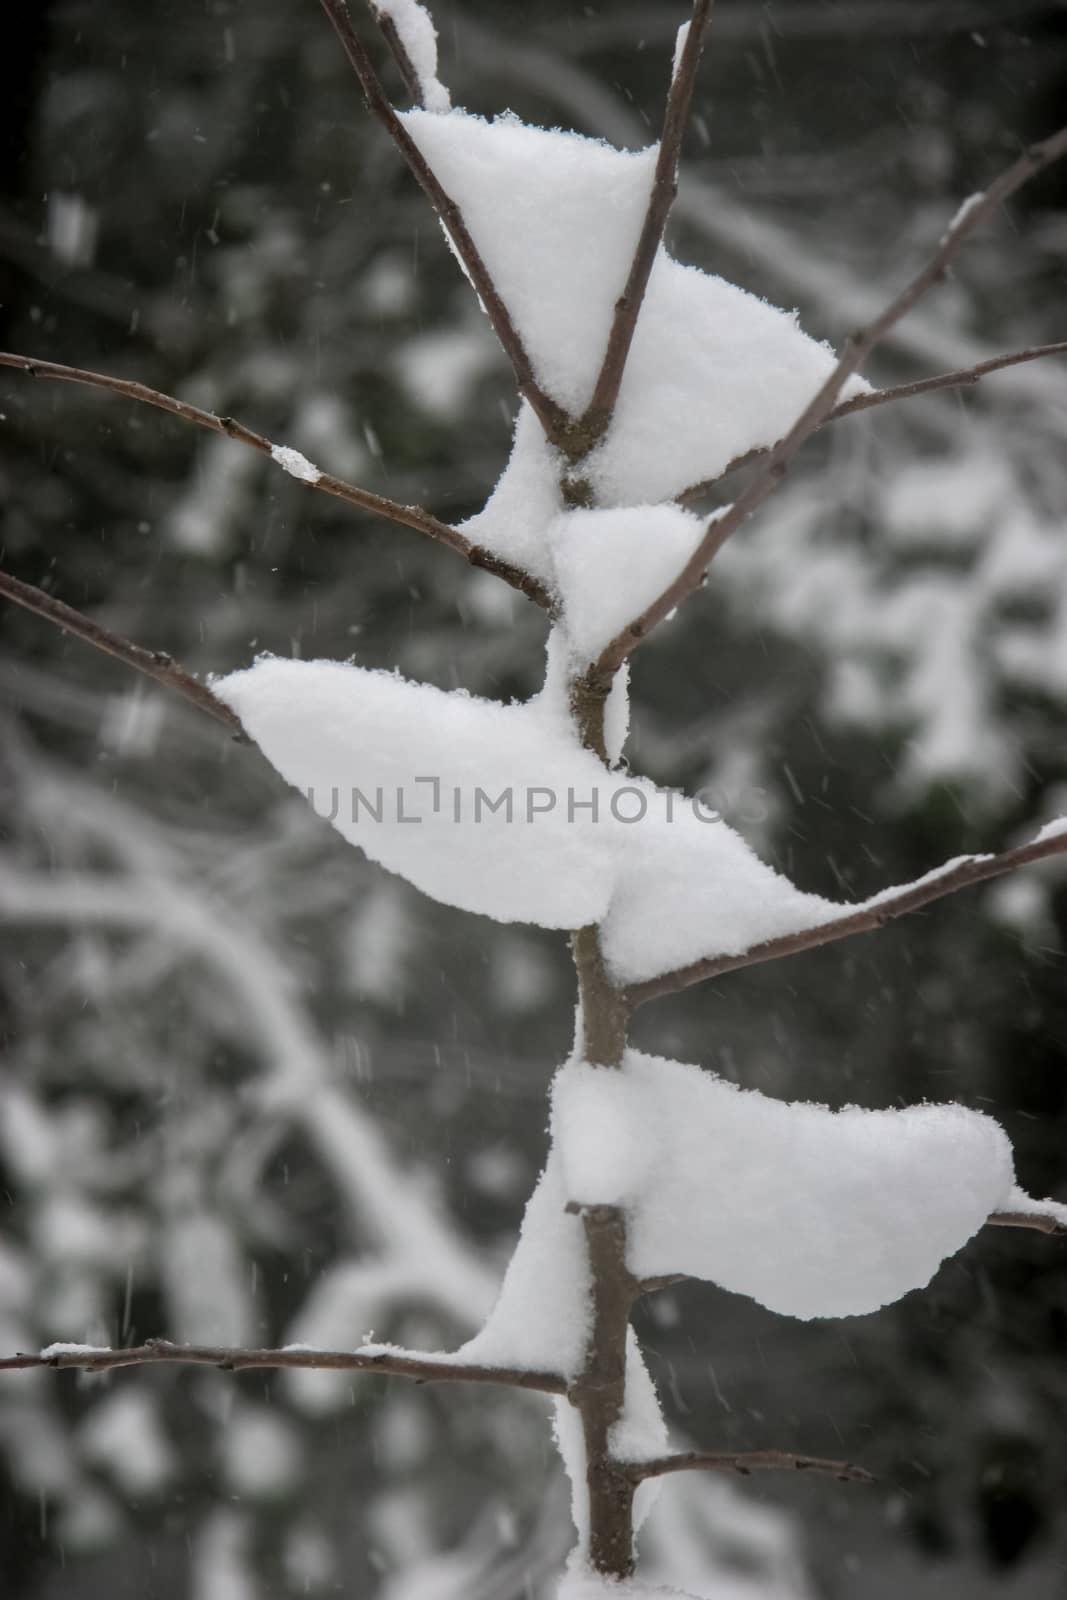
947, 501
583, 1584
713, 371
205, 1282
541, 1318
688, 888
603, 1150
295, 464
62, 1348
617, 715
945, 869
497, 809
411, 774
419, 38
679, 47
260, 1453
123, 1434
811, 1212
1051, 830
611, 564
556, 218
513, 521
420, 758
439, 368
342, 1307
639, 1435
1020, 1203
963, 211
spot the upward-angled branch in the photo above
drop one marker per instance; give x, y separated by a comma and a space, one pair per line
399, 52
313, 477
154, 664
856, 349
593, 424
870, 914
961, 378
552, 416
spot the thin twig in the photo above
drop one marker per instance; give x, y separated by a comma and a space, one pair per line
153, 663
154, 1352
958, 379
399, 52
593, 424
1036, 1220
552, 416
856, 349
410, 516
872, 914
743, 1462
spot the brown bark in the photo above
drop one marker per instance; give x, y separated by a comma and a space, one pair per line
599, 1392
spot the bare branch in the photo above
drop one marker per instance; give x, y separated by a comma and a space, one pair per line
591, 427
856, 349
552, 417
598, 1394
410, 516
398, 1364
901, 391
947, 380
154, 664
866, 917
745, 1461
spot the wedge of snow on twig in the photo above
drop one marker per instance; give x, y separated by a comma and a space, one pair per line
498, 809
712, 372
812, 1212
609, 565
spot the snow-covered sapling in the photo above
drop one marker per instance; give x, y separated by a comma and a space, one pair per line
640, 381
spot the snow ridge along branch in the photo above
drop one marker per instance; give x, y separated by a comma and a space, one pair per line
869, 915
420, 1369
392, 1363
857, 348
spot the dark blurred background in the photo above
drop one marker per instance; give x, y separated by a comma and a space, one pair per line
253, 1089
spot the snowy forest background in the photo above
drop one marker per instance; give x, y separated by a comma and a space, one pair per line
875, 680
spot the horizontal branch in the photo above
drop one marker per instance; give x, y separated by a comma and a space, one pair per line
155, 664
312, 477
958, 379
552, 416
593, 424
856, 349
743, 1462
865, 918
1035, 1220
396, 1364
